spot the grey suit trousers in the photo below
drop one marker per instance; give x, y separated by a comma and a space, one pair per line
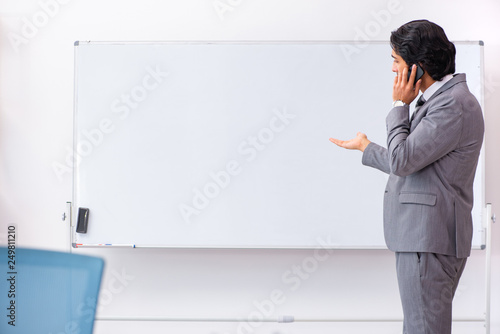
427, 284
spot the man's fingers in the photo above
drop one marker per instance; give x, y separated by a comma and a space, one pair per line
341, 143
417, 85
413, 73
358, 143
404, 75
337, 142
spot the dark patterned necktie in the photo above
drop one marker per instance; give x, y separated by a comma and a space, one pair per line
420, 102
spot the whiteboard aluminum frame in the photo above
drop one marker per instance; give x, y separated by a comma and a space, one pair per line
73, 235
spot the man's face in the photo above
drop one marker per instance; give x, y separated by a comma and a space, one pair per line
398, 64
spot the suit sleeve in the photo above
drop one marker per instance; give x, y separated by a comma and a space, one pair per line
376, 156
437, 134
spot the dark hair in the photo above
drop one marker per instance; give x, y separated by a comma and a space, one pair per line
425, 43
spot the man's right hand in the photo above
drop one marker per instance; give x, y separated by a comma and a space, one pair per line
360, 142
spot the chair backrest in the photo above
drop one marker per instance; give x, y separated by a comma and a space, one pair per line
47, 292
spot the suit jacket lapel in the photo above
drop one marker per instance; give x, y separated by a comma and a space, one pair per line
419, 113
417, 116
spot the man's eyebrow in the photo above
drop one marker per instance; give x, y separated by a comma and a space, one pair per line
393, 56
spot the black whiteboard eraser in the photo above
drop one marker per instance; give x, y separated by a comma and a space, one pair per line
83, 220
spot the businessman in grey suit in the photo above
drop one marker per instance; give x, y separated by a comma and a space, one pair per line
431, 159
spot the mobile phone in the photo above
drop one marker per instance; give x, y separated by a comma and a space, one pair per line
420, 73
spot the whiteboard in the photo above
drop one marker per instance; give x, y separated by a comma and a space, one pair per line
226, 144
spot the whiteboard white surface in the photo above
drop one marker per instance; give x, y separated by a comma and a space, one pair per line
212, 144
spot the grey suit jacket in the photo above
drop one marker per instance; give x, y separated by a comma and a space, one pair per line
432, 161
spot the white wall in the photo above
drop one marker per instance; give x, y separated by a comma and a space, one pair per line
36, 100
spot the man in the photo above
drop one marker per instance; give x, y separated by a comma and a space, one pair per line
431, 158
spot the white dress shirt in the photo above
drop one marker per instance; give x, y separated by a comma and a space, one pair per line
435, 86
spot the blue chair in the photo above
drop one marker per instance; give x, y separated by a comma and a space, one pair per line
45, 292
